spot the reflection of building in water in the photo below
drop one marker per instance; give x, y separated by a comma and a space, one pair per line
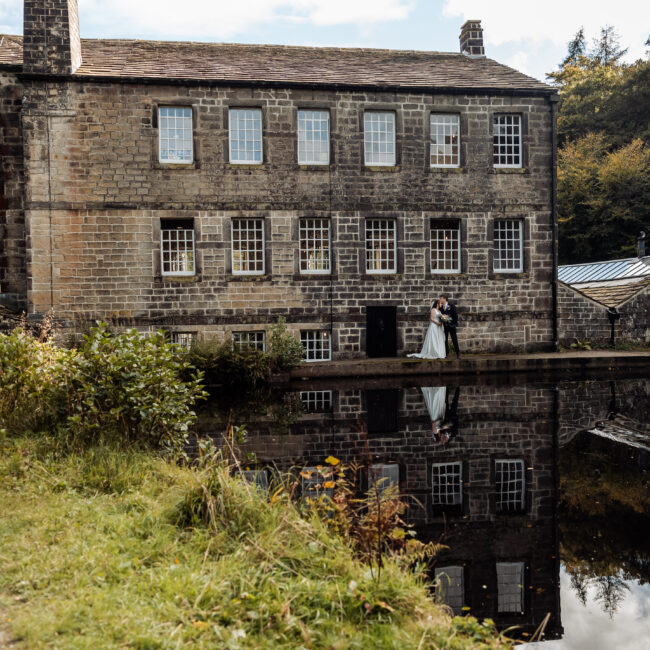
488, 492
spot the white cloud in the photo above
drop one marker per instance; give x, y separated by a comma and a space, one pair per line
556, 21
219, 19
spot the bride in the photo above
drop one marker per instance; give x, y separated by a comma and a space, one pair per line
434, 341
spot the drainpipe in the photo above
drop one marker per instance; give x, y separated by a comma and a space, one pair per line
553, 100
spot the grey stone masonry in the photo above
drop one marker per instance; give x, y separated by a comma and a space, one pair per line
471, 38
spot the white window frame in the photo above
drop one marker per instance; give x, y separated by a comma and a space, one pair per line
437, 226
310, 339
257, 115
309, 226
184, 340
371, 228
443, 498
315, 478
247, 230
504, 494
316, 401
443, 125
511, 601
509, 247
451, 585
500, 143
257, 477
387, 473
183, 128
369, 139
303, 118
249, 339
186, 264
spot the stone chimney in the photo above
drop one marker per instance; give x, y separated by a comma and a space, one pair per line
51, 42
471, 39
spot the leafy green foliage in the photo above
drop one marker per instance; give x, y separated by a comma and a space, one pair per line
285, 351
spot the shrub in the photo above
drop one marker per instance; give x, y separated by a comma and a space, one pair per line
132, 388
285, 351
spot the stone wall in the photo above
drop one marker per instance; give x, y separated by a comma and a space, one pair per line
581, 318
95, 212
13, 282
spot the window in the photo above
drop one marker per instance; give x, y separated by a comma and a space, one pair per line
447, 484
510, 587
249, 341
258, 477
317, 345
445, 246
313, 484
313, 137
508, 246
510, 484
379, 138
381, 246
175, 134
450, 587
316, 401
383, 476
315, 246
246, 136
248, 246
445, 140
184, 340
507, 141
177, 247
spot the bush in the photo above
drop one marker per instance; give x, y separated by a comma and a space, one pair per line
285, 351
132, 388
34, 376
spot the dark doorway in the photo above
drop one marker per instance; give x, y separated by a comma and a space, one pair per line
382, 406
381, 332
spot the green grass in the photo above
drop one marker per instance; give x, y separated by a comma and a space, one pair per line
93, 556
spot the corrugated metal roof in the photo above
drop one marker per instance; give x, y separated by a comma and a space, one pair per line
634, 267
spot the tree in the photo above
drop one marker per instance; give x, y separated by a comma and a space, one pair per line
606, 49
576, 48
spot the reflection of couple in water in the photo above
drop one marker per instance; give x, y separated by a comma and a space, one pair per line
444, 417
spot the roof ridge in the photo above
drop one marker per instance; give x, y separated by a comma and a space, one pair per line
645, 259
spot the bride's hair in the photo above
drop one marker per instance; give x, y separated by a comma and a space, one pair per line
435, 304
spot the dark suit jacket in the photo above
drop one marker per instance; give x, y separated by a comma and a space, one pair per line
451, 311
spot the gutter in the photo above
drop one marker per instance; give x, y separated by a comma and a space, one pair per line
553, 100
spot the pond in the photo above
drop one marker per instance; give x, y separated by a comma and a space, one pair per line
539, 487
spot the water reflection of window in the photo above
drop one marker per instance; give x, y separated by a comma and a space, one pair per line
510, 484
447, 484
450, 587
383, 475
316, 401
258, 477
510, 587
313, 483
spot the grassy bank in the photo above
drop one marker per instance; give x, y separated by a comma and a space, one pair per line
93, 555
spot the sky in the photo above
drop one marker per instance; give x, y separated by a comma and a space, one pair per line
525, 34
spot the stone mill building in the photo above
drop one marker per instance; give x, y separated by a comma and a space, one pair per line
208, 189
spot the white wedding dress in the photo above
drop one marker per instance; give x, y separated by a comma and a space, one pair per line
434, 341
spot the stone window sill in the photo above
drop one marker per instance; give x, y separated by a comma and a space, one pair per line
248, 278
178, 279
509, 170
506, 276
248, 166
313, 277
312, 168
448, 170
385, 169
177, 166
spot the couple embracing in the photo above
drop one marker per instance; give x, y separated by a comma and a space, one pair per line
444, 320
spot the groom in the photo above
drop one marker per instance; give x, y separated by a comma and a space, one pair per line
448, 309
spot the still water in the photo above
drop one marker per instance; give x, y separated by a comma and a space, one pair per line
539, 488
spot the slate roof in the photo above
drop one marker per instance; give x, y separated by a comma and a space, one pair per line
609, 283
276, 64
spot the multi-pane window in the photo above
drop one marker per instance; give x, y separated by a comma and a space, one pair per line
249, 341
313, 137
317, 345
258, 477
315, 246
510, 587
508, 246
379, 137
445, 246
447, 484
246, 135
383, 475
183, 340
316, 401
381, 245
450, 587
510, 485
314, 485
248, 246
177, 247
445, 140
175, 134
506, 141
